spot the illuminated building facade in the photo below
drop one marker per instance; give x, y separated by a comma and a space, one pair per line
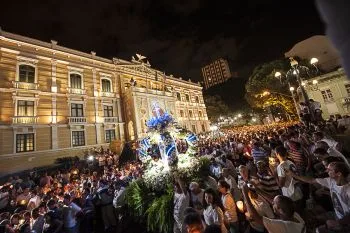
58, 102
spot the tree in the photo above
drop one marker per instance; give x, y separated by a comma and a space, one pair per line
263, 80
216, 107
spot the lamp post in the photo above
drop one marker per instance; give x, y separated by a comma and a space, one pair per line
295, 72
292, 89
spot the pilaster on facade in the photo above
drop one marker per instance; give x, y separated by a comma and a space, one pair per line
51, 125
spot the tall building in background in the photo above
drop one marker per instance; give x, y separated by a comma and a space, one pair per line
216, 72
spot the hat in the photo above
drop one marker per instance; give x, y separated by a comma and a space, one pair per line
193, 185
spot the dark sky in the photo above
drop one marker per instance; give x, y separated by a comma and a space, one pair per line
178, 37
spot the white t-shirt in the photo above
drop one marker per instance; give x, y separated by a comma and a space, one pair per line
36, 200
230, 207
279, 226
214, 216
233, 187
263, 209
197, 199
181, 202
330, 142
289, 189
340, 196
69, 215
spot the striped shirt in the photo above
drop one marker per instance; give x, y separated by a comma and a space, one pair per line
258, 154
268, 184
297, 155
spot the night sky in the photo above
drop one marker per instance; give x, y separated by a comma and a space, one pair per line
178, 37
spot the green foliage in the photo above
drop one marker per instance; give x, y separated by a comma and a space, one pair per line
263, 77
138, 198
160, 213
156, 209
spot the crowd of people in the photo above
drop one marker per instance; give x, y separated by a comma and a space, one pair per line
284, 177
85, 198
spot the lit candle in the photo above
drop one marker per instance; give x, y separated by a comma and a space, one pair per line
240, 206
23, 202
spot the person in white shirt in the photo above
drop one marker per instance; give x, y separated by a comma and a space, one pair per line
230, 212
196, 195
286, 221
210, 182
319, 136
70, 211
233, 184
34, 201
285, 181
181, 202
332, 151
339, 188
212, 212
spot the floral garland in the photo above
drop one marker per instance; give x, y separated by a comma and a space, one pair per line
158, 151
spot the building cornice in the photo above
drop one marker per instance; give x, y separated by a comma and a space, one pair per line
113, 64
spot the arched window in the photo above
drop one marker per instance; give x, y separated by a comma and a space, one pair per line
200, 113
75, 81
187, 98
181, 113
26, 74
106, 85
178, 96
197, 99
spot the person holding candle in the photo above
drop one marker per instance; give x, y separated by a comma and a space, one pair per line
212, 212
231, 219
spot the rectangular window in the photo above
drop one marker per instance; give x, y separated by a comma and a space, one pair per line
327, 95
107, 111
77, 110
78, 138
200, 113
347, 87
24, 142
75, 81
26, 73
25, 108
203, 128
194, 129
190, 113
181, 113
178, 96
110, 135
106, 85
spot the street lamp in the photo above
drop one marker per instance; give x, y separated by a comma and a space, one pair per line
313, 61
295, 72
292, 89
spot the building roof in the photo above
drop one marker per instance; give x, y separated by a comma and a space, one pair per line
318, 46
58, 48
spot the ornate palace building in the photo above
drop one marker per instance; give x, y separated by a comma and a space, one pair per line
58, 102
